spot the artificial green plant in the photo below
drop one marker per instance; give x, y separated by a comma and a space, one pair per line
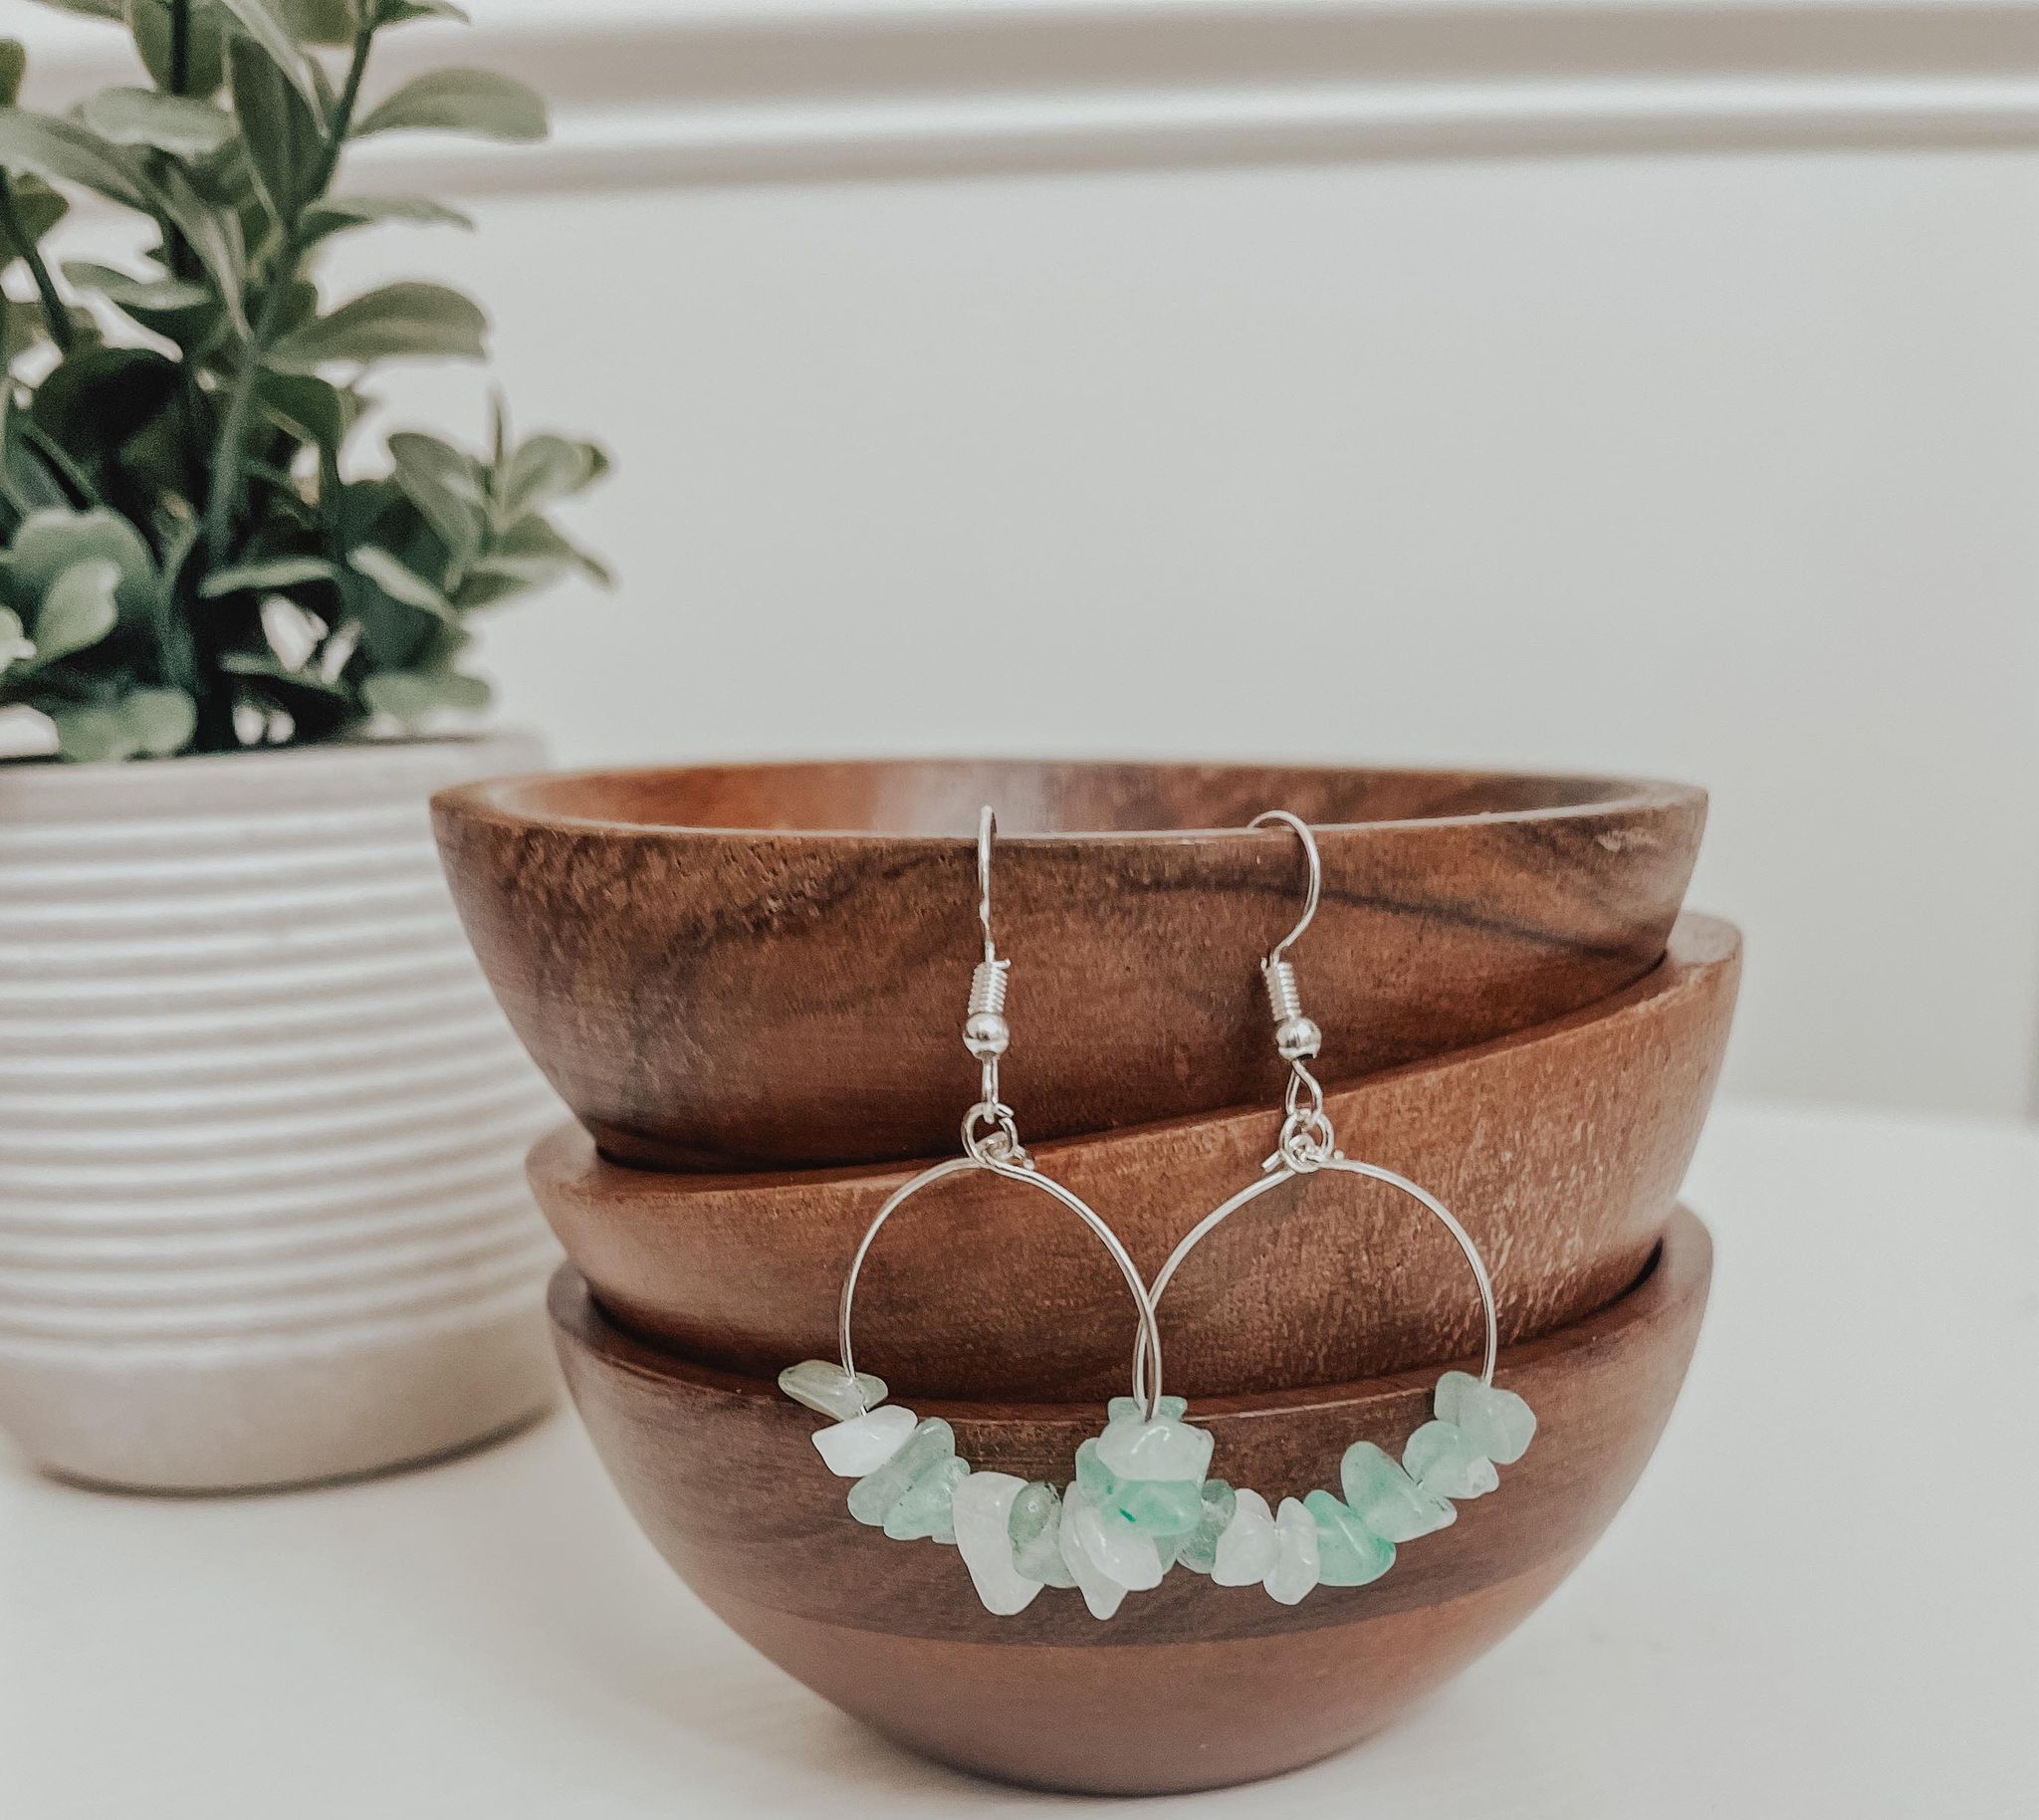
197, 557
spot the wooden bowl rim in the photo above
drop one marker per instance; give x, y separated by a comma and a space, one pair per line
1699, 944
507, 801
1680, 1267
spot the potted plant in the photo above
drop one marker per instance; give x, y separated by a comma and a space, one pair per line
261, 1212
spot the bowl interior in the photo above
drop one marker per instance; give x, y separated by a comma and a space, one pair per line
941, 797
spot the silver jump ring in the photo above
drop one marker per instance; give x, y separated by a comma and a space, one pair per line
1150, 1332
1287, 1172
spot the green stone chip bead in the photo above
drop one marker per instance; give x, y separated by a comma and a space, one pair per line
1094, 1477
1386, 1500
1348, 1553
1035, 1527
819, 1385
1498, 1422
928, 1508
1131, 1408
1159, 1508
1441, 1459
1197, 1551
873, 1497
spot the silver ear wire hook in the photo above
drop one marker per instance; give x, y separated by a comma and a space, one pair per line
985, 1033
987, 833
1306, 1138
1307, 836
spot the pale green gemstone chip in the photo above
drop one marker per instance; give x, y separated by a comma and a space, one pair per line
1441, 1459
927, 1509
1197, 1551
1386, 1500
1035, 1530
1131, 1408
872, 1498
1165, 1447
1098, 1481
1159, 1508
1348, 1553
820, 1386
1498, 1422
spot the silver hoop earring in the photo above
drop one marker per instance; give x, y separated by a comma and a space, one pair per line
1015, 1537
1323, 1538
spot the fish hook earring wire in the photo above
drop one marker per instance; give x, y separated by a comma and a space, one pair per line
1015, 1537
1321, 1538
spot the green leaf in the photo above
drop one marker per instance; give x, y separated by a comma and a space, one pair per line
402, 12
531, 551
336, 214
214, 234
38, 208
547, 469
151, 722
162, 720
407, 696
405, 319
92, 9
405, 585
93, 402
93, 736
50, 542
327, 22
164, 123
15, 643
76, 611
444, 485
155, 294
462, 101
264, 27
269, 571
205, 68
285, 145
63, 151
309, 408
13, 66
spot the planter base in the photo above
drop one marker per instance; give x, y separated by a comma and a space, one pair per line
240, 1417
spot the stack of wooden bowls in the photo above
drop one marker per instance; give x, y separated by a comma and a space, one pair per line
748, 983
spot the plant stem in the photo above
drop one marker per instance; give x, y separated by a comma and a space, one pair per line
227, 458
183, 262
11, 225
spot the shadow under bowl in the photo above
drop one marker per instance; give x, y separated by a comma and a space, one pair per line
1560, 1148
759, 967
1192, 1686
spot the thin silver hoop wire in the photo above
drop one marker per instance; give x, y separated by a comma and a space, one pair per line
1150, 1332
1013, 1165
1286, 1173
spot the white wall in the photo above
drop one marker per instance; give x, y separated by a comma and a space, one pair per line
1709, 450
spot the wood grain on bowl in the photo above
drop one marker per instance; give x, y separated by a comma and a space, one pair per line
711, 986
1191, 1686
1561, 1148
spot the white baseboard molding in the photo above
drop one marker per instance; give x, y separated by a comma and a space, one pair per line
688, 92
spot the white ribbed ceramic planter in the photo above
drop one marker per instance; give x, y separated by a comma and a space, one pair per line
262, 1208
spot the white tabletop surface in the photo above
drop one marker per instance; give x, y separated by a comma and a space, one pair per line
1822, 1600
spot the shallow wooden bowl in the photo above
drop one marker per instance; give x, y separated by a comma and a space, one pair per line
1561, 1149
756, 966
1191, 1686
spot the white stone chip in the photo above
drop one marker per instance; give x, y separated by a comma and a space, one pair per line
983, 1509
864, 1444
1248, 1546
1296, 1569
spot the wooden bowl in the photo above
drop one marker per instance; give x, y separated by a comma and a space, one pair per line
1192, 1686
709, 986
1561, 1148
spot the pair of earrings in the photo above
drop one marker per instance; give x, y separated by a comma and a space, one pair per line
1139, 1502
